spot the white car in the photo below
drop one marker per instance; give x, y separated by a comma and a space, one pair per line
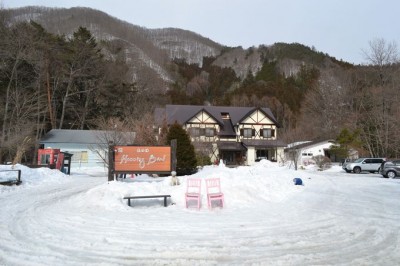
371, 165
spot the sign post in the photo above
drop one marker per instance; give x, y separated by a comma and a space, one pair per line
173, 150
110, 162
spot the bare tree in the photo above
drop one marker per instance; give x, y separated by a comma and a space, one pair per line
113, 132
13, 49
144, 130
322, 162
294, 137
21, 104
21, 149
327, 105
379, 116
381, 53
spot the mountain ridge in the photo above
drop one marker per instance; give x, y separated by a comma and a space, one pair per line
135, 69
151, 49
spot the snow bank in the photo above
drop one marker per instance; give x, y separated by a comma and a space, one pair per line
242, 186
31, 177
335, 218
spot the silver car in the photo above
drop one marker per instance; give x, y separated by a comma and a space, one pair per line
371, 165
390, 169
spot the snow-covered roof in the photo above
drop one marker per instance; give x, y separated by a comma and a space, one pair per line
82, 136
306, 144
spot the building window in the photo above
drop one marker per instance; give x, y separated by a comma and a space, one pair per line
267, 133
80, 156
247, 132
44, 159
210, 132
195, 131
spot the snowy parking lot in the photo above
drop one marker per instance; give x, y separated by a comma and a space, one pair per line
334, 219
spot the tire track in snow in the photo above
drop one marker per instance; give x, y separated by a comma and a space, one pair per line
28, 236
316, 227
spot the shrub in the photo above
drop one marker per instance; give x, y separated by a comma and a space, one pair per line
323, 162
203, 159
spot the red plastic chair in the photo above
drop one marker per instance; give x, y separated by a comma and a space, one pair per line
214, 192
193, 191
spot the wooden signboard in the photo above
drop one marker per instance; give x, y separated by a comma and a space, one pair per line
142, 159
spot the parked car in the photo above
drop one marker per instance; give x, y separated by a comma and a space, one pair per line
345, 162
390, 169
261, 158
371, 165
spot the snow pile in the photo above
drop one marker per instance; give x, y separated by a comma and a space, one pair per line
32, 177
336, 218
242, 186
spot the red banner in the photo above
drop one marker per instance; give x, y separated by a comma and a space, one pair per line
142, 158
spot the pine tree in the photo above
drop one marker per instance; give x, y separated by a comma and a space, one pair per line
347, 140
185, 154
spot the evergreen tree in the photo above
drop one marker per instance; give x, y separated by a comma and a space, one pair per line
185, 154
346, 140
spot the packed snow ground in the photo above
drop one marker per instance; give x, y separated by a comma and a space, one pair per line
334, 219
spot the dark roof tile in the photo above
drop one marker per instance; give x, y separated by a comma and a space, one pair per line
183, 113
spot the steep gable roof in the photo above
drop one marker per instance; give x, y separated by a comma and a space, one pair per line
183, 113
266, 111
202, 110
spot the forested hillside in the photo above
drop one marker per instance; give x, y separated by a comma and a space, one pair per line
80, 68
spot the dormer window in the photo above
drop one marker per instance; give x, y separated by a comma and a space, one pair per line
225, 116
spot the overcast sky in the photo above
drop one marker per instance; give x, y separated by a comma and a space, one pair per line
341, 28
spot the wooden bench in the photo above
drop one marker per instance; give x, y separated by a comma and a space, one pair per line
7, 180
148, 197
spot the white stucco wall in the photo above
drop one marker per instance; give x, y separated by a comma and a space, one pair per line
92, 160
313, 150
251, 155
280, 153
